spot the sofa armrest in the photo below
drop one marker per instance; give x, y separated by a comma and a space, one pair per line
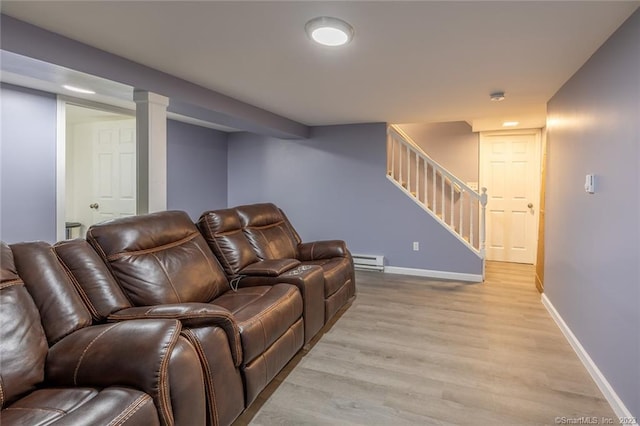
270, 268
322, 250
190, 315
132, 353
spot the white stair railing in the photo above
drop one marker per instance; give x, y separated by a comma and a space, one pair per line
445, 197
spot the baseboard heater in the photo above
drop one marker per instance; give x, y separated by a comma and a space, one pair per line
368, 261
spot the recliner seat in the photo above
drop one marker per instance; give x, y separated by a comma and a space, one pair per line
164, 269
60, 368
257, 234
223, 232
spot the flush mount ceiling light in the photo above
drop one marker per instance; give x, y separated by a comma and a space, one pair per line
79, 90
497, 96
510, 123
329, 31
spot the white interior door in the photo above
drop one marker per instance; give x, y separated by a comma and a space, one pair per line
114, 170
100, 166
510, 170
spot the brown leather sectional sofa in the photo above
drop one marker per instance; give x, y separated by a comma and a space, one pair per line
257, 244
57, 367
189, 325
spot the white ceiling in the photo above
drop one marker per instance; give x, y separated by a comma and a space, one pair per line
409, 61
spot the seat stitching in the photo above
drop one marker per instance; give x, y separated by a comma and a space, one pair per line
92, 239
116, 316
214, 290
84, 352
225, 233
267, 242
266, 311
166, 274
264, 334
181, 241
76, 284
13, 282
213, 409
215, 240
271, 307
270, 225
96, 246
47, 409
243, 306
165, 400
130, 410
266, 365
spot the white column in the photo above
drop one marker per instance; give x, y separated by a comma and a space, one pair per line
151, 141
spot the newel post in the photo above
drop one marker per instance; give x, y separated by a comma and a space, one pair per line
483, 221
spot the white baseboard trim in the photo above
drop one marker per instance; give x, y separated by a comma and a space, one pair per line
444, 275
607, 390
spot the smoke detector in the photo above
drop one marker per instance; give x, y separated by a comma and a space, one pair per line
497, 96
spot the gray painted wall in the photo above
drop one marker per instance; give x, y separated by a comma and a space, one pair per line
333, 186
452, 144
28, 165
196, 169
592, 259
196, 175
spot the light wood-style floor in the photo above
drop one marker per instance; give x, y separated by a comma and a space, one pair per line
416, 351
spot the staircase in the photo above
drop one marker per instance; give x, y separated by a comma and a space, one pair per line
458, 207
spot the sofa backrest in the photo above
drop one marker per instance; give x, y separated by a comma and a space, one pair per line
223, 232
24, 346
59, 303
268, 231
91, 276
159, 258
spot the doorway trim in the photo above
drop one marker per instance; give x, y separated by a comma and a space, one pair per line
537, 133
61, 167
61, 146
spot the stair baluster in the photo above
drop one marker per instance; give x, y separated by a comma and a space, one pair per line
403, 155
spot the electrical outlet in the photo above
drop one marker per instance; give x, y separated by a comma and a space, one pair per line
416, 246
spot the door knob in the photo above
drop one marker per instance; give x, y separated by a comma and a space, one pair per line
530, 205
94, 206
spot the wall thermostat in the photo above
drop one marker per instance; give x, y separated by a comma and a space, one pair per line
590, 183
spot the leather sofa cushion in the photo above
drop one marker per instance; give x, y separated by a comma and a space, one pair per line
92, 278
323, 250
8, 270
223, 380
24, 346
272, 242
138, 233
264, 368
268, 232
337, 271
259, 215
81, 406
223, 232
61, 308
263, 313
159, 258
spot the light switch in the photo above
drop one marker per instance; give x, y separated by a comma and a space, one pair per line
590, 183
